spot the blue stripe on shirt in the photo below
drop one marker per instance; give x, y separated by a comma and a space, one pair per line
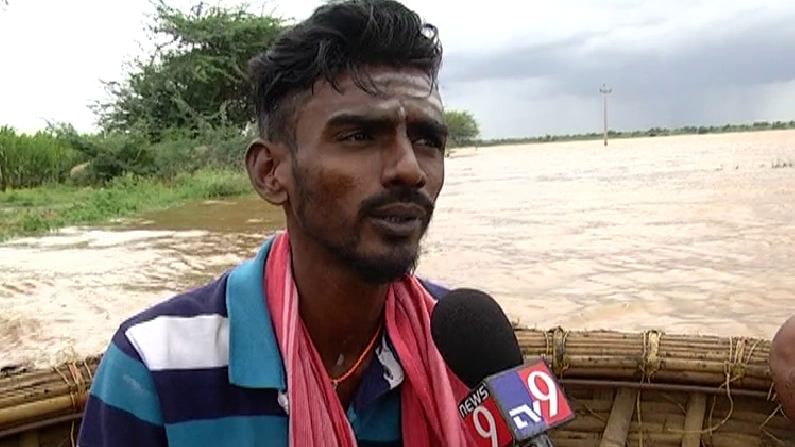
125, 383
230, 432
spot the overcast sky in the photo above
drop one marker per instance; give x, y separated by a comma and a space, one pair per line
523, 67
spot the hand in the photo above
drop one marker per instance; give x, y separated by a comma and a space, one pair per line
782, 366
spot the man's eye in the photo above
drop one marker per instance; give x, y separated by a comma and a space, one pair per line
356, 136
429, 142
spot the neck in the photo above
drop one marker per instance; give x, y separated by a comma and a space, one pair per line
340, 311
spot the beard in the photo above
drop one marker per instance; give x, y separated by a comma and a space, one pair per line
398, 256
374, 269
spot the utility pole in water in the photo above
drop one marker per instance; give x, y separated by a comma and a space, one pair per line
605, 91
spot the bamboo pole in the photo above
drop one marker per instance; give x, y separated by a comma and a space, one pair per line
617, 430
694, 420
36, 409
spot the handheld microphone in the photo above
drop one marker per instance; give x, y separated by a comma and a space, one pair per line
511, 403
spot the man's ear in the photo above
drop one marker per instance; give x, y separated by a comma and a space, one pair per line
267, 165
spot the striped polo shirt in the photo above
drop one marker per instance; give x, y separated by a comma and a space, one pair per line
204, 369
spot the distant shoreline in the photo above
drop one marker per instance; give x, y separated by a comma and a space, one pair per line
759, 126
472, 149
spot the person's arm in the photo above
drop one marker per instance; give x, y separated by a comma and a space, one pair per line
123, 408
782, 366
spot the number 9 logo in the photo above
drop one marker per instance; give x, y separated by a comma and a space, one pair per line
550, 396
478, 415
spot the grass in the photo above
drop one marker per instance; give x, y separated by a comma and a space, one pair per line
30, 160
36, 211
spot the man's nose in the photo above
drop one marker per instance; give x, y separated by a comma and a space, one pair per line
401, 166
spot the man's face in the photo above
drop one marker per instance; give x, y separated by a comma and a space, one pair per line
366, 170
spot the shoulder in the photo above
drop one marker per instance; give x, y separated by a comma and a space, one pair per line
174, 332
128, 404
436, 290
209, 298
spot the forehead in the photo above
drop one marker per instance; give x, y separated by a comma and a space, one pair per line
402, 91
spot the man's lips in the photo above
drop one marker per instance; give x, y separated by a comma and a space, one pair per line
399, 219
399, 212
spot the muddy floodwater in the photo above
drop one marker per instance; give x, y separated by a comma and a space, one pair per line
691, 234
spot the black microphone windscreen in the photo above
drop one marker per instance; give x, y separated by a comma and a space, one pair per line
474, 336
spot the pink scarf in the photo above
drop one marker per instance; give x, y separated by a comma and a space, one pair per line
429, 393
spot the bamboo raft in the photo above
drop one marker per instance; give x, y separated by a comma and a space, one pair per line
628, 389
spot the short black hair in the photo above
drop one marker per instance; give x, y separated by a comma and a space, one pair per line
339, 37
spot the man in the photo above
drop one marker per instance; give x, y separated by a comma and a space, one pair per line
323, 339
782, 366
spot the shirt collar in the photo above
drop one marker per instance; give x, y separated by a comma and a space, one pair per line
254, 357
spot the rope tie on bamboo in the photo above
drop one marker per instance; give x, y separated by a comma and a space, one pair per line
651, 362
555, 349
771, 395
77, 390
734, 369
77, 386
649, 365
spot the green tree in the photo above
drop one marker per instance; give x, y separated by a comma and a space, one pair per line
196, 78
462, 127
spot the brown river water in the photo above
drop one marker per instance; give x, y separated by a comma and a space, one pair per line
690, 234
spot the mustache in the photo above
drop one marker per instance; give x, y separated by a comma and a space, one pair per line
397, 195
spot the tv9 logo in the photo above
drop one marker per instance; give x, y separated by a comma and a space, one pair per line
515, 405
548, 403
